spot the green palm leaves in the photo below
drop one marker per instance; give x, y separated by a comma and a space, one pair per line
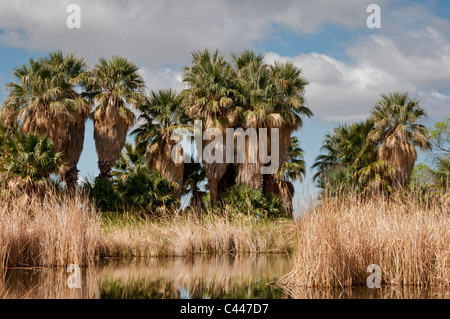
44, 99
397, 129
376, 155
27, 160
114, 86
133, 187
246, 94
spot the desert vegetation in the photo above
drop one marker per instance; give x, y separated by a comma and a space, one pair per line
340, 238
377, 205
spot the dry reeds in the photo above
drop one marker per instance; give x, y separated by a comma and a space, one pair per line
189, 235
49, 231
58, 230
339, 238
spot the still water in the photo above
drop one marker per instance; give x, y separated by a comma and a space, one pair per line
250, 277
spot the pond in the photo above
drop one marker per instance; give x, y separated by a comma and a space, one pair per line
223, 277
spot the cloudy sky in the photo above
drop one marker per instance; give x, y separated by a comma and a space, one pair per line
347, 64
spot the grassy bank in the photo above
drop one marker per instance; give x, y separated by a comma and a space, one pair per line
339, 239
333, 244
57, 231
128, 235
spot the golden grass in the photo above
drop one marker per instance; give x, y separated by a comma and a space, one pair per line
189, 235
340, 238
58, 231
53, 231
334, 243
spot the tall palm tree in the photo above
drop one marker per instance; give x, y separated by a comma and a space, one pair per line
44, 99
161, 116
115, 86
211, 96
288, 110
253, 79
397, 130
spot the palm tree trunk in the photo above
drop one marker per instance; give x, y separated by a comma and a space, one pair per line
268, 184
228, 179
71, 178
213, 189
110, 133
400, 153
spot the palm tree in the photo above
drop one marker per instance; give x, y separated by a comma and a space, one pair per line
442, 173
271, 97
28, 161
45, 100
211, 96
253, 79
330, 157
161, 116
131, 159
194, 176
293, 168
114, 85
349, 158
288, 110
397, 130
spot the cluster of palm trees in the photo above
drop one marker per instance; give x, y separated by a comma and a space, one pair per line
51, 98
377, 155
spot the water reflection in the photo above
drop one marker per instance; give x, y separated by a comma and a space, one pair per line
201, 277
156, 278
249, 277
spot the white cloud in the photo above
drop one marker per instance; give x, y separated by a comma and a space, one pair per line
162, 79
158, 32
411, 52
345, 91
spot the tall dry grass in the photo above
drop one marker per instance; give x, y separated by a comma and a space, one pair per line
184, 236
340, 237
60, 230
49, 231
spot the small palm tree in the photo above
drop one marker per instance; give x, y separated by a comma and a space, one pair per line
115, 86
329, 158
293, 168
346, 151
442, 173
27, 162
148, 191
131, 160
397, 130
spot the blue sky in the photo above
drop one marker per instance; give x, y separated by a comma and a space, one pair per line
347, 64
